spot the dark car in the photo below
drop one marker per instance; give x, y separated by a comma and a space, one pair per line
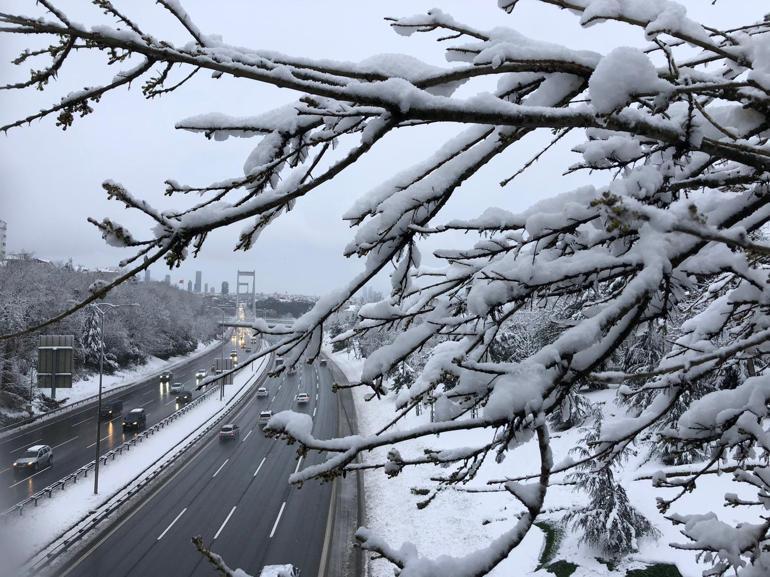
35, 458
184, 397
323, 362
165, 378
228, 431
135, 419
111, 409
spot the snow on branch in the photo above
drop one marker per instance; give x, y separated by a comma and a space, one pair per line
654, 279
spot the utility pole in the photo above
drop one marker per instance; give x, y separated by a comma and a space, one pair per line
222, 379
102, 312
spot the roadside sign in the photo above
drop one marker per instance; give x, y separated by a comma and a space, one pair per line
54, 362
222, 365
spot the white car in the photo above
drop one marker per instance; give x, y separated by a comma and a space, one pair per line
201, 374
264, 418
302, 398
279, 571
33, 459
261, 392
177, 388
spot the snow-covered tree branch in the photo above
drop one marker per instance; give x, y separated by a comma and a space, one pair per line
672, 238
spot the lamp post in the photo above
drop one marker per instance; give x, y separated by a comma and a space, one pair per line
222, 385
102, 312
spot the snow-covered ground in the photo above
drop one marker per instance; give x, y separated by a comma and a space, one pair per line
25, 535
456, 523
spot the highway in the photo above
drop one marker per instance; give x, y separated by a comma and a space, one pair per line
73, 435
235, 494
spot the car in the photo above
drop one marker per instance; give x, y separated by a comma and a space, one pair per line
279, 571
184, 397
262, 392
234, 357
201, 374
33, 459
292, 371
135, 419
177, 388
110, 409
323, 362
278, 362
228, 431
264, 418
165, 378
302, 398
246, 349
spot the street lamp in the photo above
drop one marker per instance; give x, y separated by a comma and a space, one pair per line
222, 385
102, 311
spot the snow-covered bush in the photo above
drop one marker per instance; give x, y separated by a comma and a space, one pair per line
679, 128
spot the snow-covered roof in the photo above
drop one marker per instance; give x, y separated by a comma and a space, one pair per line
35, 448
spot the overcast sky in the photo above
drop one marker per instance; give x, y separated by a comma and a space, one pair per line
50, 180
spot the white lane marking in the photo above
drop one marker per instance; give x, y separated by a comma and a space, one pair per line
260, 466
65, 442
171, 401
35, 442
298, 464
230, 514
28, 478
277, 519
274, 396
94, 444
247, 435
172, 524
316, 396
314, 408
4, 470
147, 403
279, 386
220, 468
81, 422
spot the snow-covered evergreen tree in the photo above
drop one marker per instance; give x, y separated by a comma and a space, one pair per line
608, 522
91, 337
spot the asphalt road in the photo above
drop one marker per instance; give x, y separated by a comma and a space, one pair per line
73, 435
235, 494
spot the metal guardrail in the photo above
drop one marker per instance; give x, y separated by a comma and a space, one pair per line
42, 417
72, 478
90, 521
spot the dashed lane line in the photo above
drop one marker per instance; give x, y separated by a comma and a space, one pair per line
220, 468
277, 520
166, 530
222, 526
260, 466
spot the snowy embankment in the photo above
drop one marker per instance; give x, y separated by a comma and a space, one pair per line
27, 535
457, 522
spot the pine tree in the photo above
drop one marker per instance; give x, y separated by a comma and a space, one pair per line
608, 522
91, 337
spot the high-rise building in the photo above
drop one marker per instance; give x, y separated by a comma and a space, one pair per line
147, 277
206, 288
3, 229
198, 281
167, 279
189, 286
225, 287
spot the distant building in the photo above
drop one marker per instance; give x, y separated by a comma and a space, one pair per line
198, 280
147, 276
167, 279
3, 230
189, 286
205, 288
211, 290
225, 287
